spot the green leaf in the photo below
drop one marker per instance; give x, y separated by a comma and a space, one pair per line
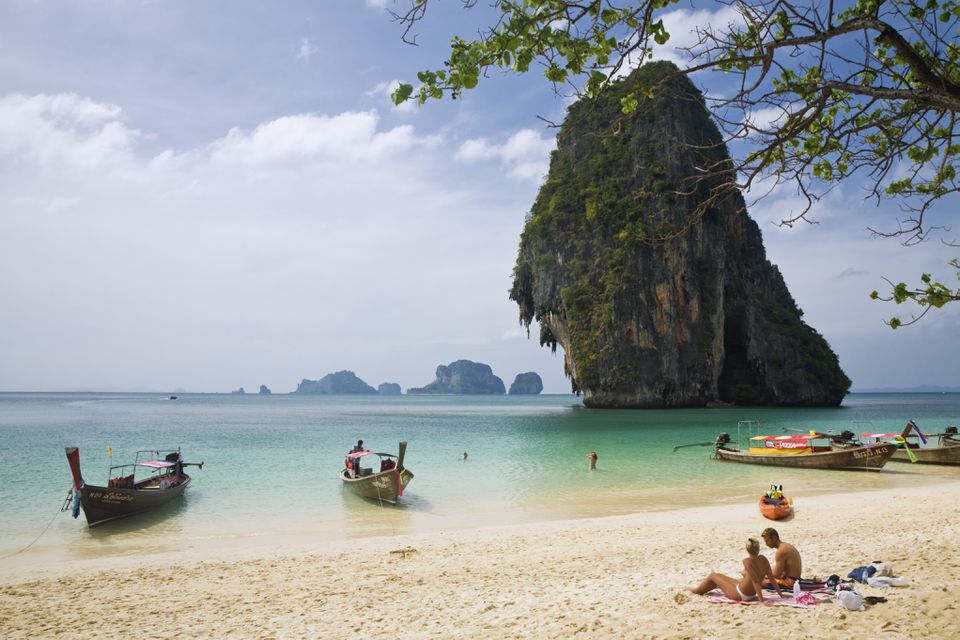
402, 93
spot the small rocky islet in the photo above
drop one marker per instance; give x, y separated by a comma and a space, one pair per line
461, 377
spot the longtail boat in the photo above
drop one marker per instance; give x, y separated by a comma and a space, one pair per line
801, 451
147, 483
386, 484
908, 449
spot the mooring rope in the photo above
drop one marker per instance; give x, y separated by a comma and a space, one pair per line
59, 511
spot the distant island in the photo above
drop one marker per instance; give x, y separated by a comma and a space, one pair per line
389, 389
239, 392
463, 377
264, 390
528, 384
341, 382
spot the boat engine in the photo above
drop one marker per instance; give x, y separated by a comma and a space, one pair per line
846, 437
722, 439
951, 430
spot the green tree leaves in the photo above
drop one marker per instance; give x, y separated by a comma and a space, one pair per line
870, 88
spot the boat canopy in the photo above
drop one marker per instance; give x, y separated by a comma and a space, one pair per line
882, 435
155, 464
804, 436
360, 454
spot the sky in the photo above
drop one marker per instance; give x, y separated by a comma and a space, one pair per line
212, 195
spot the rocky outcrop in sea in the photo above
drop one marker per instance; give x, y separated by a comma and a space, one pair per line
389, 389
341, 382
264, 390
528, 383
652, 305
463, 377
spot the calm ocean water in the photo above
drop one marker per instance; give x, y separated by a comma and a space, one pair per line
271, 462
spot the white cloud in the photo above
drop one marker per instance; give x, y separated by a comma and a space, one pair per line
525, 154
307, 244
307, 50
63, 129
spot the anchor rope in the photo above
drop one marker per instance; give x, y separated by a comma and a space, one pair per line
59, 511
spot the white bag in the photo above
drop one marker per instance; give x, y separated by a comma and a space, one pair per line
851, 600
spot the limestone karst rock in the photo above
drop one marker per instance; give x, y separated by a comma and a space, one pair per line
653, 306
528, 383
341, 382
389, 389
463, 377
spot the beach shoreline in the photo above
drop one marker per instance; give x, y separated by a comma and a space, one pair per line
619, 576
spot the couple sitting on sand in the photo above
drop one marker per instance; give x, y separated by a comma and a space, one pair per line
756, 570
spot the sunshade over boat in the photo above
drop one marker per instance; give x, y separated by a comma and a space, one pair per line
126, 494
800, 451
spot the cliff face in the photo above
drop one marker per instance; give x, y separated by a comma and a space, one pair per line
463, 377
645, 322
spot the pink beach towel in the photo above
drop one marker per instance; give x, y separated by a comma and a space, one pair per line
804, 601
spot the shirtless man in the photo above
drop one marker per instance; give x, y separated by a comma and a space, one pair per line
787, 567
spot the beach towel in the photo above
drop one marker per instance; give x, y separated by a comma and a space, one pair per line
806, 599
811, 585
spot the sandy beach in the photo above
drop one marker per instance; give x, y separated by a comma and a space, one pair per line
615, 577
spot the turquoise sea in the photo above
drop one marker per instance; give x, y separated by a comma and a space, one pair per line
271, 462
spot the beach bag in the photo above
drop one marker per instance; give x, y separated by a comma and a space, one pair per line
882, 569
850, 600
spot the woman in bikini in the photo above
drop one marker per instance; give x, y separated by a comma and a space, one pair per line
756, 569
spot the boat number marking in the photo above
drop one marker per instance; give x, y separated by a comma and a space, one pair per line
111, 496
871, 452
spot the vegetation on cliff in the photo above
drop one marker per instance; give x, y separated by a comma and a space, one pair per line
643, 322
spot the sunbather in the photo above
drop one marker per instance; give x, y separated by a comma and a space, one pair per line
756, 568
787, 566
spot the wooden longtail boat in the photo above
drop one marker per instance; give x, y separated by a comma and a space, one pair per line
945, 452
799, 451
125, 494
386, 484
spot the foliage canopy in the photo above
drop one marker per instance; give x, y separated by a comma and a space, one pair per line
813, 92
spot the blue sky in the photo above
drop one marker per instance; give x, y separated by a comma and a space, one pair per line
209, 195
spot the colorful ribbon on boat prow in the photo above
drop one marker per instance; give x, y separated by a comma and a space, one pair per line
906, 447
920, 435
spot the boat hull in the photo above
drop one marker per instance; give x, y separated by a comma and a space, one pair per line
870, 458
103, 504
775, 511
386, 486
946, 454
